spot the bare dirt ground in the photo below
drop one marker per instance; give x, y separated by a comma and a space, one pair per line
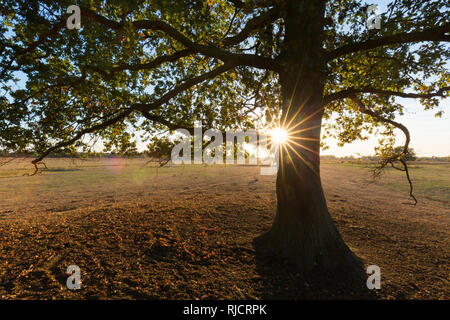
140, 232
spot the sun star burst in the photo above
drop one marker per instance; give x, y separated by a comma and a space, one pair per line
279, 135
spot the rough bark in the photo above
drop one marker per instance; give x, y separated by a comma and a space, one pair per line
303, 230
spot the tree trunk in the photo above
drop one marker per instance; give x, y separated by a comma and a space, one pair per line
303, 230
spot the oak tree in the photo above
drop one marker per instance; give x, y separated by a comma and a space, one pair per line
141, 67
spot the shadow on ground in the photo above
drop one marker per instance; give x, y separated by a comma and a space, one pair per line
62, 170
281, 281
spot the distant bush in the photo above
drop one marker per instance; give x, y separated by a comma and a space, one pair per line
410, 155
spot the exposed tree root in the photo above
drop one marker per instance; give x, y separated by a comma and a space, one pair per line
37, 170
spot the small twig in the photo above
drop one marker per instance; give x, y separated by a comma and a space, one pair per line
402, 160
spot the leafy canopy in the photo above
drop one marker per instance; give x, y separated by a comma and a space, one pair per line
136, 68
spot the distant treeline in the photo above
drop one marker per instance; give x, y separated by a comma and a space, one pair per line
79, 155
145, 154
376, 159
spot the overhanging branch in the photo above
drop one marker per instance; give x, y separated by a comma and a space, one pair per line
107, 73
252, 25
440, 33
349, 93
144, 108
390, 160
80, 134
251, 60
184, 86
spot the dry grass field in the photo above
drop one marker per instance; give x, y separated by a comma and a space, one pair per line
142, 232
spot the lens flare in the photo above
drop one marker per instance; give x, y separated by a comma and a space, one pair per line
279, 135
115, 164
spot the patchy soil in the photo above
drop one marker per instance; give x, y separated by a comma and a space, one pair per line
138, 232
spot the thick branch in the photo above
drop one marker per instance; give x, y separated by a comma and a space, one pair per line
143, 107
248, 5
250, 60
80, 134
432, 34
174, 126
41, 39
145, 66
348, 93
369, 112
252, 25
19, 51
184, 86
170, 125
